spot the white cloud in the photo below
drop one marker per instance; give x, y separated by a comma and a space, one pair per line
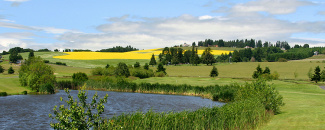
209, 4
55, 30
16, 3
270, 6
188, 28
205, 17
16, 26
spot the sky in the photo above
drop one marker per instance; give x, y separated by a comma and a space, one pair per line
147, 24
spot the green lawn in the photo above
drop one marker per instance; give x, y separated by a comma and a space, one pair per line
304, 108
11, 85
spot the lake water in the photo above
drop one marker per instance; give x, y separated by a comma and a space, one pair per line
31, 111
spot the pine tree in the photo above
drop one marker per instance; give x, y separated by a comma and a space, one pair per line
316, 77
214, 72
11, 70
153, 60
161, 68
137, 65
146, 66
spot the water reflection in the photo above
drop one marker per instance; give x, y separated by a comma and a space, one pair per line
31, 111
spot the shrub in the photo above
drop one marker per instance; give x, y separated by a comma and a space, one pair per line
161, 68
214, 72
11, 70
146, 66
3, 94
97, 71
1, 69
317, 61
142, 73
79, 76
282, 60
107, 66
79, 115
160, 74
64, 64
275, 75
122, 70
137, 65
24, 92
58, 63
46, 61
47, 88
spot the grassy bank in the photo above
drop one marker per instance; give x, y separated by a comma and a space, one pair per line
11, 85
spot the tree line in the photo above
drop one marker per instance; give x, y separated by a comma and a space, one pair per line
118, 49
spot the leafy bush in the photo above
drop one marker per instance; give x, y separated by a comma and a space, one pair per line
79, 115
58, 63
137, 65
46, 61
122, 70
3, 94
47, 88
282, 60
11, 70
24, 92
161, 68
97, 71
146, 66
160, 74
142, 73
79, 76
1, 69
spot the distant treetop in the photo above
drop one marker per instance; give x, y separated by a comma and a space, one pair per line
119, 49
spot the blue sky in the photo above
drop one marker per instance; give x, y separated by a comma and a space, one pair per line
145, 24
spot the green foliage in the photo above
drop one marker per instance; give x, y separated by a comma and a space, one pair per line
153, 60
34, 72
161, 68
47, 88
214, 72
258, 72
282, 60
60, 63
31, 54
14, 57
207, 57
160, 74
310, 73
79, 76
103, 71
46, 61
136, 65
296, 74
11, 70
146, 66
3, 94
142, 73
24, 92
122, 70
119, 49
316, 76
79, 115
107, 66
1, 69
267, 70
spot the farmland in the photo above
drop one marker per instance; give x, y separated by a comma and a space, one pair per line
304, 100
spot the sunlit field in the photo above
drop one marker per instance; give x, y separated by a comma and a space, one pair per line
141, 54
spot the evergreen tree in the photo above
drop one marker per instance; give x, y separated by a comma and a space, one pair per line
146, 66
161, 68
214, 72
258, 72
31, 54
267, 70
236, 56
322, 75
196, 58
153, 60
207, 57
11, 70
316, 76
192, 54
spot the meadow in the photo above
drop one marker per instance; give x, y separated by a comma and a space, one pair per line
304, 100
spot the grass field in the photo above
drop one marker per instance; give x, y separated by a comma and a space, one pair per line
11, 85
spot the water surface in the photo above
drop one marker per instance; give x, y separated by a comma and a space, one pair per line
31, 111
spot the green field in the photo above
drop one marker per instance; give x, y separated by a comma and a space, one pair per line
304, 101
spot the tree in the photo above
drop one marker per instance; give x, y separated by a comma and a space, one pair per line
196, 58
1, 69
175, 60
14, 56
236, 56
258, 72
79, 76
137, 65
146, 66
79, 115
11, 70
193, 54
31, 54
322, 75
56, 50
153, 60
161, 68
306, 46
34, 72
316, 76
267, 70
107, 66
214, 72
207, 57
122, 70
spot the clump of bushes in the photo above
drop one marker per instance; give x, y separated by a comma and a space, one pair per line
142, 73
24, 92
46, 61
60, 63
1, 69
47, 88
282, 60
79, 76
3, 94
265, 74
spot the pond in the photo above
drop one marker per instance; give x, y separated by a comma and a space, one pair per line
31, 111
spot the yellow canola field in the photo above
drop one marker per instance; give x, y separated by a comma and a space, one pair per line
141, 54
